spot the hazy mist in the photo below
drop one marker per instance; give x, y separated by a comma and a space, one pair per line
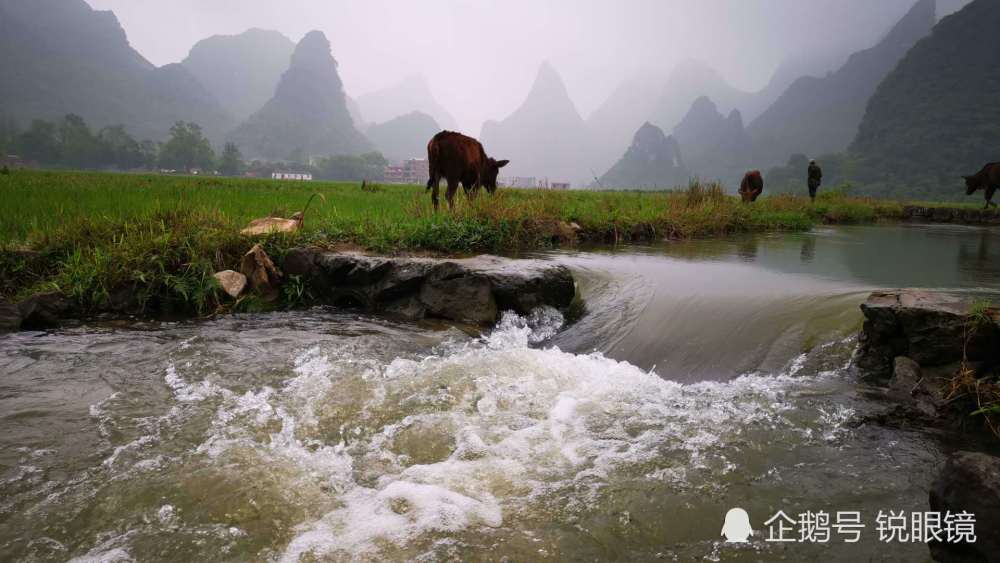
482, 56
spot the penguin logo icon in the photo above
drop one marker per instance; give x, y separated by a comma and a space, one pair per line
737, 527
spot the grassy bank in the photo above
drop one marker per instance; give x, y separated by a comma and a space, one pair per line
88, 234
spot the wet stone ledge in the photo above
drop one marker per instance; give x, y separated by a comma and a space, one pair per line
471, 290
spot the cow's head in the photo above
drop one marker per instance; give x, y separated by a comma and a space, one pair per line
971, 184
493, 167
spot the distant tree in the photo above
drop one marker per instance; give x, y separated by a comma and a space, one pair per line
187, 148
231, 163
120, 149
369, 166
79, 147
39, 143
150, 153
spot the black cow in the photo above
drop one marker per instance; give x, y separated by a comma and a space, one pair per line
987, 179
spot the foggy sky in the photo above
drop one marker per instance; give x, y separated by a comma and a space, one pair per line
481, 55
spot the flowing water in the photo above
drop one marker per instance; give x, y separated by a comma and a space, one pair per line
704, 375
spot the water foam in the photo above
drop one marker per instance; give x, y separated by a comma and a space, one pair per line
520, 423
467, 437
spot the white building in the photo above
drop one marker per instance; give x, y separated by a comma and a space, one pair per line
297, 176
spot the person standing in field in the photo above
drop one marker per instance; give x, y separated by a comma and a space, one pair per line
815, 179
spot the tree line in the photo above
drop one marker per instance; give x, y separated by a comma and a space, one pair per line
71, 143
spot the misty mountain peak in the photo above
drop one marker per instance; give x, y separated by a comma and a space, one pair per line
61, 56
412, 93
735, 120
545, 136
705, 129
313, 52
920, 131
703, 106
548, 87
241, 71
308, 112
835, 103
653, 160
651, 143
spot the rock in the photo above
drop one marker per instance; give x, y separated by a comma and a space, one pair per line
472, 290
930, 328
464, 297
905, 375
233, 283
43, 310
908, 386
260, 272
10, 317
969, 482
524, 285
300, 262
269, 225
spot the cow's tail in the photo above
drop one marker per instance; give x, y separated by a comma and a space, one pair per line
432, 160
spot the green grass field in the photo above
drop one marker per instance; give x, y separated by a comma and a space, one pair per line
394, 217
87, 234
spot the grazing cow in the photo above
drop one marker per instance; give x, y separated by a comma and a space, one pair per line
458, 158
752, 186
987, 179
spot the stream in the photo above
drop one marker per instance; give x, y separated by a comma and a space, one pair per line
704, 375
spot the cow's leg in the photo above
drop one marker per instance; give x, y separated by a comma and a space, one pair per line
450, 194
989, 197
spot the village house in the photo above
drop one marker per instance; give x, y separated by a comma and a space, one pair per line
295, 176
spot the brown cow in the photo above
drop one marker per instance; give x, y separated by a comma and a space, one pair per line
458, 158
987, 179
752, 186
